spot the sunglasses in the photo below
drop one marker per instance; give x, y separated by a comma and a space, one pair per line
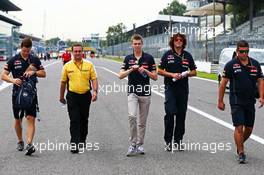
176, 40
243, 51
77, 51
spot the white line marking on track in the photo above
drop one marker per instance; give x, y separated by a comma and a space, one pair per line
204, 114
204, 79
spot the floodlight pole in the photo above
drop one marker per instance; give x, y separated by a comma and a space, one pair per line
214, 31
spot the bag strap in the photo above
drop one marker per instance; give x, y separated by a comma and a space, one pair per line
246, 69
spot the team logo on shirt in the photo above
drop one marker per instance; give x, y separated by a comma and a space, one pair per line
170, 57
131, 62
253, 69
17, 62
237, 70
185, 61
224, 73
236, 66
145, 65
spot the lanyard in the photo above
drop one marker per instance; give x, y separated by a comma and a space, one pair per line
80, 68
181, 57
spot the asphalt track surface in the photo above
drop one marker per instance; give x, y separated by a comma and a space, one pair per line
206, 126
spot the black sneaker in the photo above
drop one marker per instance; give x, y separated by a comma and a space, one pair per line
29, 150
74, 151
178, 147
168, 147
82, 145
20, 146
74, 148
242, 158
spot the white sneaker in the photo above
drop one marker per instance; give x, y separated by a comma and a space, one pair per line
131, 151
140, 149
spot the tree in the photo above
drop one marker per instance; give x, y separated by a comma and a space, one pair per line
115, 34
52, 42
175, 8
103, 43
240, 8
70, 43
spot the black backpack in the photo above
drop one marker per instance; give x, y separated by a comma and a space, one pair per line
27, 93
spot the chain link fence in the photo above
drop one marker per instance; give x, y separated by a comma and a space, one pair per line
158, 44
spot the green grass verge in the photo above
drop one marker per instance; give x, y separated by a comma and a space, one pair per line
207, 75
199, 74
115, 59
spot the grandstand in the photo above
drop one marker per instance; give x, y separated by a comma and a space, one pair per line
243, 32
9, 28
202, 46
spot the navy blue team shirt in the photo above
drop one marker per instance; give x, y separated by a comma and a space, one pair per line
139, 83
243, 80
172, 62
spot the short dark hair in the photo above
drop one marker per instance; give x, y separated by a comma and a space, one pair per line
242, 43
171, 42
76, 45
26, 42
137, 37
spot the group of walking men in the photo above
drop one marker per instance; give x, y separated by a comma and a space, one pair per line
79, 78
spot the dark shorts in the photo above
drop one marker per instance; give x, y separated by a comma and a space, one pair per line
243, 115
18, 113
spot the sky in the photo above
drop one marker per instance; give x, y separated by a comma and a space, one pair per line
75, 19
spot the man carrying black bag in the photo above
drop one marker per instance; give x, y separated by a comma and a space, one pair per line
27, 66
26, 95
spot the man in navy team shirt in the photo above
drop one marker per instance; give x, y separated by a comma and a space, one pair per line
243, 73
24, 65
176, 66
139, 67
